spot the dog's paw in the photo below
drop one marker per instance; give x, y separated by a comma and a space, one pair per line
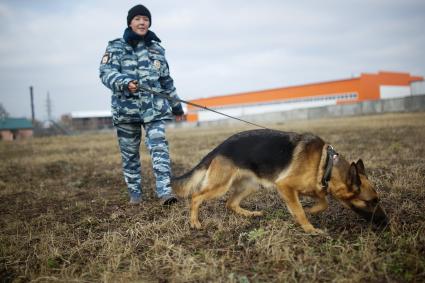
312, 210
252, 213
195, 224
311, 230
316, 209
317, 231
257, 213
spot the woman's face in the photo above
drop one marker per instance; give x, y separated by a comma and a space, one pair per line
140, 25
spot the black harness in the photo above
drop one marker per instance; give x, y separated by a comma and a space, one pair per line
331, 154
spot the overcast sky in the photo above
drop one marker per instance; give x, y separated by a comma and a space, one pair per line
214, 47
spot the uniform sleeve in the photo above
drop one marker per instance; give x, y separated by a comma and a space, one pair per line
167, 84
110, 70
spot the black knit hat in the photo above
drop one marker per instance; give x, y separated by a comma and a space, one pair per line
138, 10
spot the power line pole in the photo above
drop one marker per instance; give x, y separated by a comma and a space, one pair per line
32, 105
49, 107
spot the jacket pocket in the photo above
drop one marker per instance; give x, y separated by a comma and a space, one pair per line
161, 105
125, 108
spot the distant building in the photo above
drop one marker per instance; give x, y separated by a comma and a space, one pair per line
383, 85
15, 129
88, 120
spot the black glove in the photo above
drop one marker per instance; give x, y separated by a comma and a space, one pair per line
177, 110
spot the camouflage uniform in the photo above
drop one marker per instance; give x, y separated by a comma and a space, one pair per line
145, 63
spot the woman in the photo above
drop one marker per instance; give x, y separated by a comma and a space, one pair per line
137, 59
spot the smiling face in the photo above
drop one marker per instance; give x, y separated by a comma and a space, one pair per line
140, 25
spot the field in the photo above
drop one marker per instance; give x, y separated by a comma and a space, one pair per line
65, 214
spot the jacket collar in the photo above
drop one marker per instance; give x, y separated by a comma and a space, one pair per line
133, 38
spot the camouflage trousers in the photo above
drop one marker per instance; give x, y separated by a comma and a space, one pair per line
129, 138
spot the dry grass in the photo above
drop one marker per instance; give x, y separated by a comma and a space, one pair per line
65, 217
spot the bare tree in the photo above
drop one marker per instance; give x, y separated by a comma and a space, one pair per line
3, 112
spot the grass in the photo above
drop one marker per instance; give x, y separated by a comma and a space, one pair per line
65, 214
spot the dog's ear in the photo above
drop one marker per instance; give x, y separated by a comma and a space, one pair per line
360, 167
354, 178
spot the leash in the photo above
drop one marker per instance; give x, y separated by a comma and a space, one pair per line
165, 96
330, 152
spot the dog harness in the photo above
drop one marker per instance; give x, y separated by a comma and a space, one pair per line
331, 155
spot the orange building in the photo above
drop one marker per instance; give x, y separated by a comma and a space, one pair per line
383, 85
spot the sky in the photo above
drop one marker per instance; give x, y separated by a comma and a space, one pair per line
213, 47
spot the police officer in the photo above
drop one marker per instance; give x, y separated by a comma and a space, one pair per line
137, 59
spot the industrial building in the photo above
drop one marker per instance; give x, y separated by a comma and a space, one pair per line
88, 120
366, 87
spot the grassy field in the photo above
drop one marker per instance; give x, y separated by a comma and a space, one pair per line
65, 214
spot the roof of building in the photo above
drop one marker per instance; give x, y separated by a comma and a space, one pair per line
15, 124
91, 114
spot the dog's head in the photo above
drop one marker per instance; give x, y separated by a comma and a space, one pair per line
355, 191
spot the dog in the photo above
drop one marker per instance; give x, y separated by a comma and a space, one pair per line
294, 164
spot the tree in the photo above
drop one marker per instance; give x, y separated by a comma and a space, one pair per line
3, 112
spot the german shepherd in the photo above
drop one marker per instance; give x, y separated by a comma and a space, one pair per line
294, 164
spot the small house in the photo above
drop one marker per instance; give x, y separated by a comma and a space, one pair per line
15, 128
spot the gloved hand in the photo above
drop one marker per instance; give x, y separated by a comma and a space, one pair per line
177, 110
133, 86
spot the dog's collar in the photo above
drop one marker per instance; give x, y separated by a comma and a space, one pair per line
331, 155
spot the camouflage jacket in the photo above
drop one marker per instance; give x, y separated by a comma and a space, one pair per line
147, 64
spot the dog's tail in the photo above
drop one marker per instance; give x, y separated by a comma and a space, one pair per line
190, 182
185, 185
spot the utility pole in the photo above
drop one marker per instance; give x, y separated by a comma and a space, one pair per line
49, 107
32, 105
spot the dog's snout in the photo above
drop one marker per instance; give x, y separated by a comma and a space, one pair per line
373, 213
